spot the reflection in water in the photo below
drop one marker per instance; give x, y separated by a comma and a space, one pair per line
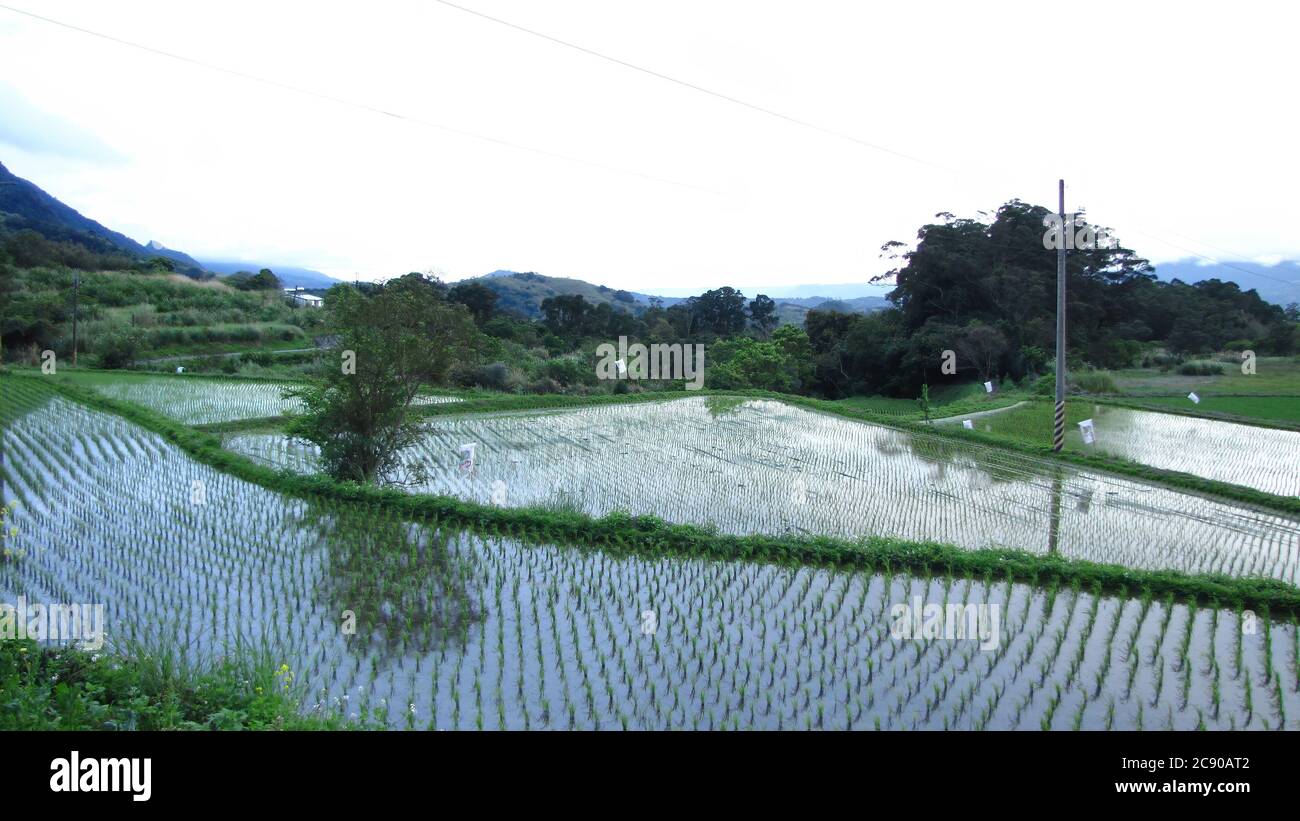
407, 590
760, 466
1054, 534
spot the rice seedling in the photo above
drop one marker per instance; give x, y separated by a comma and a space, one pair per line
198, 401
454, 629
1257, 457
767, 467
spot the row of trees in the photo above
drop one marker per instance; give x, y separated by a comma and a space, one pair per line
722, 312
986, 291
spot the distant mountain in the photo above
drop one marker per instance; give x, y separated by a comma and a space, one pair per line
1279, 284
290, 276
795, 294
853, 305
523, 293
24, 205
793, 311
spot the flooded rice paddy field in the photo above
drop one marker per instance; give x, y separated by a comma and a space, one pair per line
1266, 459
461, 631
197, 401
765, 467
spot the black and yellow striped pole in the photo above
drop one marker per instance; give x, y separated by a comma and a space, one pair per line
1058, 421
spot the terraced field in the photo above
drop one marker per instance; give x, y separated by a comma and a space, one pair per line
1261, 458
457, 630
197, 401
765, 467
1284, 409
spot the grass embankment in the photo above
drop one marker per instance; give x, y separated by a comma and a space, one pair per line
945, 400
1269, 411
1273, 376
65, 688
652, 536
92, 376
1012, 431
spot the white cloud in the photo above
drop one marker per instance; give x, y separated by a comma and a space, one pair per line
30, 129
1158, 122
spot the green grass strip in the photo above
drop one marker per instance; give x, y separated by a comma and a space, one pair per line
1136, 403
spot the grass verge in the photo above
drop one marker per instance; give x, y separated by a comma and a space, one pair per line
66, 688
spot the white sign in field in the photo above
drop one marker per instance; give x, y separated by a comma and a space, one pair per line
1087, 431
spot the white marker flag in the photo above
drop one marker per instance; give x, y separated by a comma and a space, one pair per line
968, 424
988, 387
1196, 400
467, 462
1086, 430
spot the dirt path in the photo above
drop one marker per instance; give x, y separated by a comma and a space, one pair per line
978, 414
189, 356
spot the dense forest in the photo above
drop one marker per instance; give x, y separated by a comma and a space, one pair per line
987, 292
983, 290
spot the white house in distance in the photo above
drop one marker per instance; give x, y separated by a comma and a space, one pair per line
299, 296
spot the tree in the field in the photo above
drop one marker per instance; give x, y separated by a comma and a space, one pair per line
981, 347
1280, 340
480, 299
265, 280
762, 314
797, 351
720, 312
388, 345
564, 315
8, 286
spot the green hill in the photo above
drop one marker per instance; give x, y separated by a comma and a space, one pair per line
523, 293
25, 206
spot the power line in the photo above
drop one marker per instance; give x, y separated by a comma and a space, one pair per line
777, 114
353, 103
695, 87
552, 154
1212, 259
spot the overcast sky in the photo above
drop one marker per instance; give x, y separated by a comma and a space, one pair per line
1174, 124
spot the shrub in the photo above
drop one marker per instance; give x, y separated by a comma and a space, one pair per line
1200, 369
65, 688
119, 349
497, 376
1094, 382
569, 371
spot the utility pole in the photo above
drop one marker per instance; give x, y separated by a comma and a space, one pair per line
76, 294
1058, 427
